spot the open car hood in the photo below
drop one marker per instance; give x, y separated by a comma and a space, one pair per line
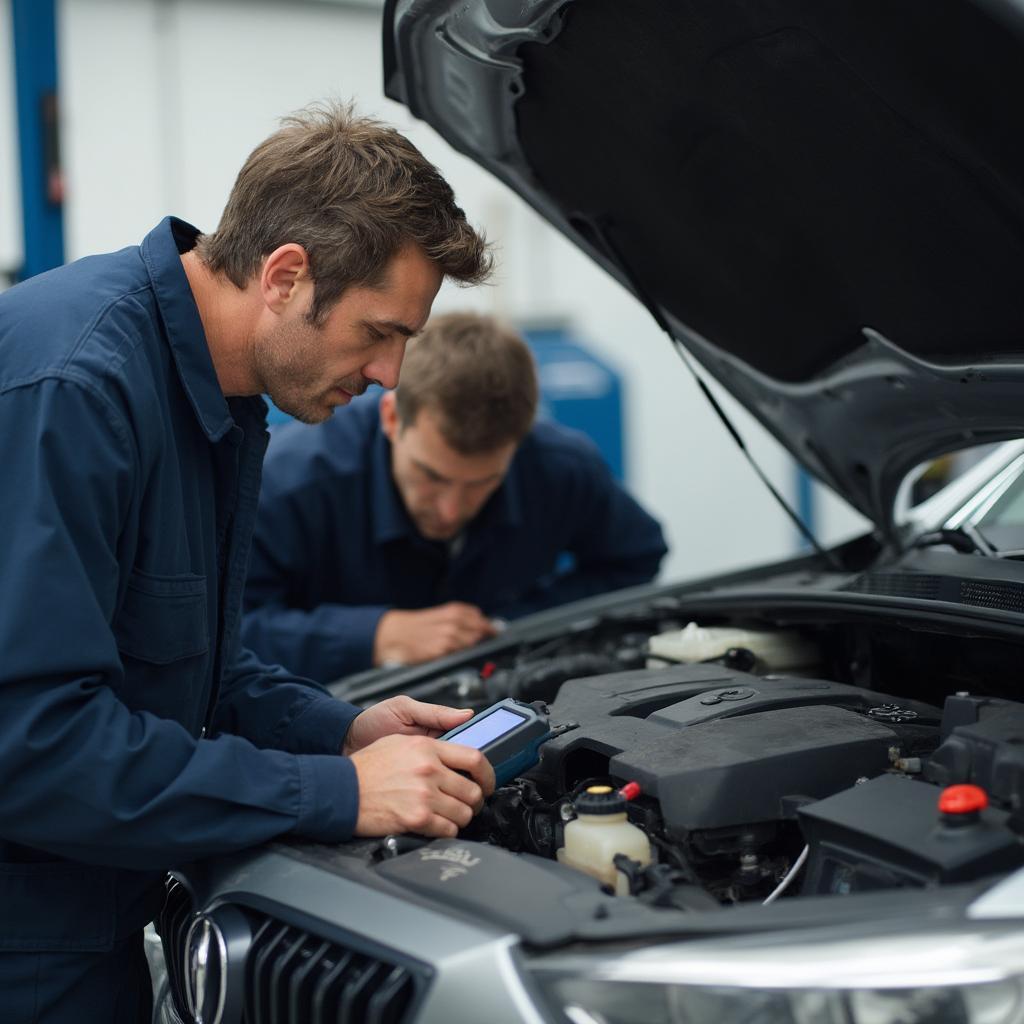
823, 201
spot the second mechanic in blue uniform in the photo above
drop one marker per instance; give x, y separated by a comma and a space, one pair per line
394, 531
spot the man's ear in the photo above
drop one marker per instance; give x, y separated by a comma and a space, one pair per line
283, 276
389, 415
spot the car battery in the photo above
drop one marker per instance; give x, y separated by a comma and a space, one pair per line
890, 832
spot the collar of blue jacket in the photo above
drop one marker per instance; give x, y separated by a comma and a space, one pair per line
161, 252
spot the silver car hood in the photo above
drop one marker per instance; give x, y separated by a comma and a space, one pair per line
823, 201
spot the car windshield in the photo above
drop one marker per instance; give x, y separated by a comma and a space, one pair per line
1001, 523
980, 495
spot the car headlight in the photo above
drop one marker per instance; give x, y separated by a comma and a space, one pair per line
971, 976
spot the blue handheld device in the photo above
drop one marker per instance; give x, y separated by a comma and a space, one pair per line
508, 733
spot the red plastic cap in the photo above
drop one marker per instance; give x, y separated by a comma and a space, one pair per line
963, 800
488, 670
631, 790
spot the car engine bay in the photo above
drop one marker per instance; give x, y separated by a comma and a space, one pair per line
805, 757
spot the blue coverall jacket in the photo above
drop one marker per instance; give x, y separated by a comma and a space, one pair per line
129, 491
335, 548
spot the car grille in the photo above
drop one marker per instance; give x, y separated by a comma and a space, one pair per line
1005, 596
293, 976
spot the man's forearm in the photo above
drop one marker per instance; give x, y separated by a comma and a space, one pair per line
324, 644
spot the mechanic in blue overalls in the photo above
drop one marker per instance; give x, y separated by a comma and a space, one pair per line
135, 730
397, 529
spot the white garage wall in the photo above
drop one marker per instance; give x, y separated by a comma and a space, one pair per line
162, 101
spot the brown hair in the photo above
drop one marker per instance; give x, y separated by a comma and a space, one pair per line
351, 191
478, 377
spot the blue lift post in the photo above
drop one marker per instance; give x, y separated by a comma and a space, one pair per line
42, 188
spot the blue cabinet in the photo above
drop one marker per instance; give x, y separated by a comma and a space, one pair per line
581, 391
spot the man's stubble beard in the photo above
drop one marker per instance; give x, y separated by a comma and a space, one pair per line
289, 363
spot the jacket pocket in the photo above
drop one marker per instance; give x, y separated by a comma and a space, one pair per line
163, 618
57, 907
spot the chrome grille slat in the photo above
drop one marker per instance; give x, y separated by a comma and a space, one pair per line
329, 986
174, 921
388, 997
300, 986
356, 993
258, 1001
279, 977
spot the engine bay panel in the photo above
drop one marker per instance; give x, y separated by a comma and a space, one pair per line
750, 781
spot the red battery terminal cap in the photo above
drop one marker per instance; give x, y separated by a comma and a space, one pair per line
630, 791
963, 800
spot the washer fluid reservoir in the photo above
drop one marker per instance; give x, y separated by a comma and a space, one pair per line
598, 833
775, 650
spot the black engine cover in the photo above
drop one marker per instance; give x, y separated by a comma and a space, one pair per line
719, 748
738, 770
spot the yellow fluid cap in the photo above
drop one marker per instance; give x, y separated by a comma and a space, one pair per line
600, 800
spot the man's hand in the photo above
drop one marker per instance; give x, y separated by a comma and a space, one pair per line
411, 637
401, 715
411, 784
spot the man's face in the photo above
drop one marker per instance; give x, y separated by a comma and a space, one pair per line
307, 370
442, 489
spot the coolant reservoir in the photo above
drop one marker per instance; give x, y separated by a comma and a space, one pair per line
598, 833
775, 650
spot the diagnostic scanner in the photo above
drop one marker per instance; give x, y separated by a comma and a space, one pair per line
508, 733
